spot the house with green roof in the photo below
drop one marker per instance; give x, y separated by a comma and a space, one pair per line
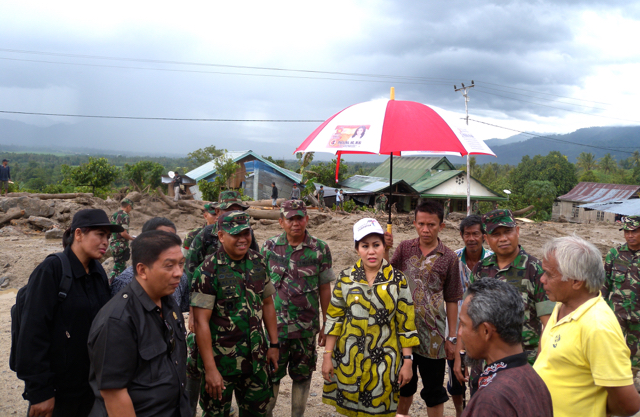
427, 178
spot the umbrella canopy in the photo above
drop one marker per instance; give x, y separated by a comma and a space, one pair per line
392, 127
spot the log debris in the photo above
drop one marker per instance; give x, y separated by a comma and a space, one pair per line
14, 213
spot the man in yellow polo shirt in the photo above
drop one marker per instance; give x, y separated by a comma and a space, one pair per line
583, 357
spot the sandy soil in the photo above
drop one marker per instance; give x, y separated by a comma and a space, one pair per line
20, 253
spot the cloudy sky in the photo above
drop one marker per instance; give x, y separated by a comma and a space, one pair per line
531, 61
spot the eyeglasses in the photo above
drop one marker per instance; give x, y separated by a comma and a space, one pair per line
171, 344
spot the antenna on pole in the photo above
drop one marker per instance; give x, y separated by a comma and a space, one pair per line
465, 93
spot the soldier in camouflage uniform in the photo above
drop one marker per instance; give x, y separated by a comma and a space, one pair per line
206, 243
512, 264
119, 244
300, 269
622, 285
210, 216
231, 298
381, 203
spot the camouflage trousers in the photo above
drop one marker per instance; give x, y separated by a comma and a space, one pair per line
120, 257
321, 202
253, 393
631, 333
194, 367
300, 356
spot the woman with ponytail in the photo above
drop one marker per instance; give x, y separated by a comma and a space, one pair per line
51, 355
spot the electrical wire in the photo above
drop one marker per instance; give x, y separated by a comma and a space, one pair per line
162, 118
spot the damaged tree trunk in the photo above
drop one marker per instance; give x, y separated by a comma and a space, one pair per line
166, 199
14, 213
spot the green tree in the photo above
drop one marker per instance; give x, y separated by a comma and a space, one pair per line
278, 162
587, 161
225, 169
325, 172
144, 173
608, 164
588, 176
203, 155
554, 167
97, 173
540, 194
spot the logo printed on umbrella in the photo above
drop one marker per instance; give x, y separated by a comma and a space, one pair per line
348, 136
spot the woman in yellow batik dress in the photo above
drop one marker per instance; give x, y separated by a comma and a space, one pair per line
370, 332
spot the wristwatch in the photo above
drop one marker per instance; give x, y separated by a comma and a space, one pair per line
408, 357
453, 340
274, 345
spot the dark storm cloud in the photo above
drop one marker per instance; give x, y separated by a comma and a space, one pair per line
528, 45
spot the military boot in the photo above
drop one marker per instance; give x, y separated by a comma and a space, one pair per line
299, 396
272, 402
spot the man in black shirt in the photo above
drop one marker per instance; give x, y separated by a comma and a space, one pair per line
490, 328
137, 341
274, 195
177, 182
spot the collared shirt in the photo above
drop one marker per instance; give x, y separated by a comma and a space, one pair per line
510, 387
234, 291
180, 295
296, 274
580, 355
622, 283
434, 281
524, 274
135, 344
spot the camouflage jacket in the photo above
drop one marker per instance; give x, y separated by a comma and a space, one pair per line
622, 283
234, 291
188, 239
122, 218
524, 274
297, 274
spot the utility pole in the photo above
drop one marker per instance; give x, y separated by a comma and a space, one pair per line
465, 93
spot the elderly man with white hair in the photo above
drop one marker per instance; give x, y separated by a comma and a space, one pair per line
583, 357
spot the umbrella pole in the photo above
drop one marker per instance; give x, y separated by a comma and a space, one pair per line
390, 190
468, 188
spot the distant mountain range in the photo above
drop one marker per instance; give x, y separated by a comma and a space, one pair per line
620, 142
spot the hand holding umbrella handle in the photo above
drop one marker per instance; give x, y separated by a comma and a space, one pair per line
389, 227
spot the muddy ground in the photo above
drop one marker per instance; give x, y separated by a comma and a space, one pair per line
22, 248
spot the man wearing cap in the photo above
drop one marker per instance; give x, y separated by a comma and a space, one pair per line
512, 264
120, 241
206, 242
210, 217
622, 285
295, 192
300, 268
231, 299
5, 177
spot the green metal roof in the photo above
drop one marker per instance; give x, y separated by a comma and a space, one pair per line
434, 180
372, 184
412, 169
438, 178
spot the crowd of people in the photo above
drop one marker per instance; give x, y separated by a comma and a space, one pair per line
528, 337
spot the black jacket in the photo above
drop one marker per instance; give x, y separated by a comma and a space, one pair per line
52, 356
274, 192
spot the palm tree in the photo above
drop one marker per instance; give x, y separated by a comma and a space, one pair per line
587, 161
635, 158
608, 164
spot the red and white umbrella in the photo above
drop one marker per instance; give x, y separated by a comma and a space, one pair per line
393, 127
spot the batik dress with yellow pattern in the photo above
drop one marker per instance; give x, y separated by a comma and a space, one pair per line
372, 325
